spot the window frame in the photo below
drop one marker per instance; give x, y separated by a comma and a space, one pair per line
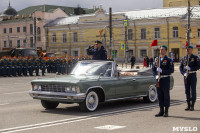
175, 32
130, 34
143, 35
157, 33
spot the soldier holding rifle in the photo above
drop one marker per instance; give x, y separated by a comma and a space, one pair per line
162, 69
188, 67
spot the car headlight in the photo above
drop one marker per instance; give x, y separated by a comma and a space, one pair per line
73, 89
68, 89
39, 88
77, 89
35, 87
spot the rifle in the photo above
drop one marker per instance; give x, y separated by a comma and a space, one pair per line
187, 71
158, 82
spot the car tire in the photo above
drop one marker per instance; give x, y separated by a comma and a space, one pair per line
49, 105
90, 103
152, 95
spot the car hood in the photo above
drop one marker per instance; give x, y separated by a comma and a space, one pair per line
66, 79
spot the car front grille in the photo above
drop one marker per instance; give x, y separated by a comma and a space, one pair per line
53, 88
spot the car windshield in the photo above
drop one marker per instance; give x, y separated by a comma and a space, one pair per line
93, 68
30, 52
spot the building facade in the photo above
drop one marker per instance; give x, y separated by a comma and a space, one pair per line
180, 3
73, 35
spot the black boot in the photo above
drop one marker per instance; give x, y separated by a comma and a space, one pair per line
161, 113
166, 111
188, 106
192, 106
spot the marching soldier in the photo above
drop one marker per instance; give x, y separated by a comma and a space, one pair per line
37, 66
188, 67
25, 66
9, 67
48, 65
58, 64
19, 66
43, 64
3, 66
14, 67
163, 66
31, 66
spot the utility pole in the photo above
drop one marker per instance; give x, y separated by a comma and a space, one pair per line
126, 44
110, 27
188, 23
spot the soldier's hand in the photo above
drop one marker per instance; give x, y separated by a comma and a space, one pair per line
188, 68
159, 70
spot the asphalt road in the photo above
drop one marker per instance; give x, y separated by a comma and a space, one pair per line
20, 113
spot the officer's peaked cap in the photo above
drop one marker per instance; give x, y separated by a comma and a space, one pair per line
164, 46
98, 42
190, 47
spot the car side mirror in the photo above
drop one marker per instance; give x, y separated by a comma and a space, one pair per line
101, 75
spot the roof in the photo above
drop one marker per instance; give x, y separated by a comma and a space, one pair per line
161, 13
9, 11
51, 8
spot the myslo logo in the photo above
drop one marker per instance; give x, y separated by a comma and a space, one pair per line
185, 129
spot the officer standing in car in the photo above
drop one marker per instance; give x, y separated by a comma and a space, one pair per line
99, 53
165, 68
188, 67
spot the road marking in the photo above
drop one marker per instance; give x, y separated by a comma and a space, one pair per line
110, 127
15, 93
4, 104
83, 118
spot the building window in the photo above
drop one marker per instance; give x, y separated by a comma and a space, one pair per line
18, 29
31, 42
31, 28
130, 34
75, 37
156, 33
4, 44
143, 33
175, 32
10, 44
18, 43
4, 30
198, 32
199, 51
143, 53
64, 37
54, 38
10, 30
38, 34
75, 53
24, 29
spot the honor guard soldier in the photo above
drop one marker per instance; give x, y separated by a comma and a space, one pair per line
3, 66
48, 65
58, 64
9, 67
162, 69
188, 67
30, 66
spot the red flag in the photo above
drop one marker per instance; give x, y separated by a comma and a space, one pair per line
154, 43
187, 44
101, 31
197, 46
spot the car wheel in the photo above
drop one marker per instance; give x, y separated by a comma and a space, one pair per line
49, 105
91, 102
152, 95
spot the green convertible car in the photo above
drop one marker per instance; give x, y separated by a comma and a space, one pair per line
91, 82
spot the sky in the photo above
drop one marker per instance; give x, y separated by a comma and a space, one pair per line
116, 5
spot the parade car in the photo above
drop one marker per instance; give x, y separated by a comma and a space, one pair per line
91, 82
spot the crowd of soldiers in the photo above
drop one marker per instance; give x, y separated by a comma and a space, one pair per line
24, 66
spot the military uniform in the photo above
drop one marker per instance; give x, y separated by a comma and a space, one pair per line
100, 54
37, 66
43, 66
25, 66
31, 66
19, 66
14, 67
191, 81
167, 66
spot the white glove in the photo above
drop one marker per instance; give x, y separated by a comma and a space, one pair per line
159, 69
185, 74
188, 68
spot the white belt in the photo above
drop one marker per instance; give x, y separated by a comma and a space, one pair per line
162, 76
191, 72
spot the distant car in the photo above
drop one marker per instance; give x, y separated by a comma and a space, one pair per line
92, 82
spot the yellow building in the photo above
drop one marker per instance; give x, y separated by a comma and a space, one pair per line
179, 3
73, 35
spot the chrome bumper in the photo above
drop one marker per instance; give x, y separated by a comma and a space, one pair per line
53, 96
